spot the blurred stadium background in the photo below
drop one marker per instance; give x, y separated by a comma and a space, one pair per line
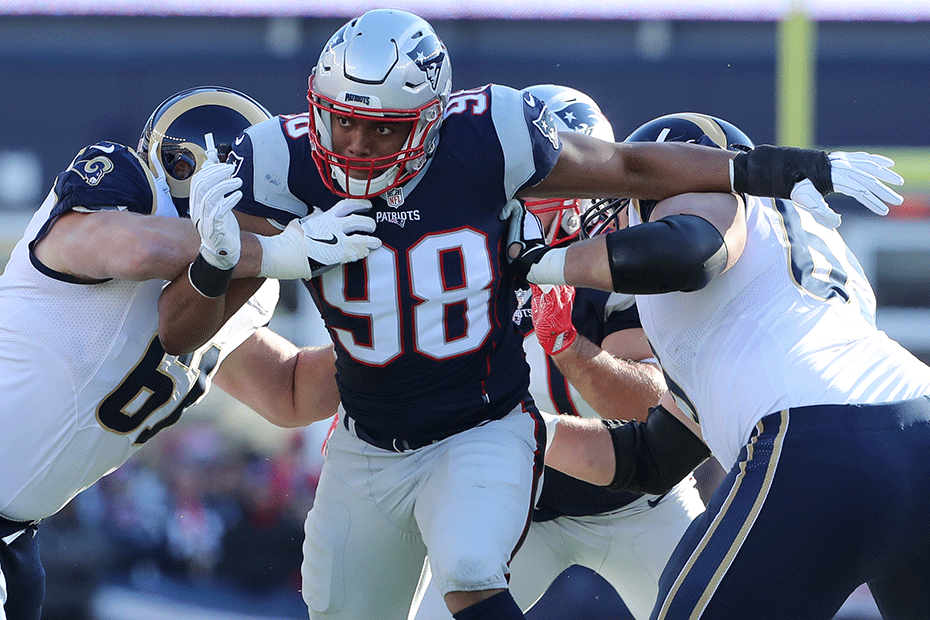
207, 523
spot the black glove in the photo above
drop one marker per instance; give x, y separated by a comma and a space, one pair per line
526, 232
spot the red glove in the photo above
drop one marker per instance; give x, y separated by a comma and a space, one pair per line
552, 318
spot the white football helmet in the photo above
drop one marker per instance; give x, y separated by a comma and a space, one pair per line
390, 65
573, 111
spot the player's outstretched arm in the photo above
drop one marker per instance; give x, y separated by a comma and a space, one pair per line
287, 385
588, 168
118, 244
690, 240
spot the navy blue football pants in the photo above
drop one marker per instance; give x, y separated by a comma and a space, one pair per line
821, 500
22, 571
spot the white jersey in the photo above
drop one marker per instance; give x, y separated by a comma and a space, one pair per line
792, 323
85, 380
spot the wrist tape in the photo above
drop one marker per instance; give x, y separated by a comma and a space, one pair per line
774, 171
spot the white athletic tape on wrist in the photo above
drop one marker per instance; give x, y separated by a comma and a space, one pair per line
550, 269
284, 256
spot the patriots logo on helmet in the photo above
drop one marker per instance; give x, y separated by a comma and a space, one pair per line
337, 38
428, 56
234, 159
581, 117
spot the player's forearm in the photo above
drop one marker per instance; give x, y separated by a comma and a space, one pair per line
588, 167
287, 385
586, 264
187, 319
659, 170
613, 387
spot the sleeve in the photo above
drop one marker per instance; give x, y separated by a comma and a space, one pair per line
262, 158
105, 176
528, 136
255, 313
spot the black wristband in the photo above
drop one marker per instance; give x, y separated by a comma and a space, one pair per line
208, 280
774, 170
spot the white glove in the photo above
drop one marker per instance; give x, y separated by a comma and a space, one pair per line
319, 241
806, 195
213, 196
525, 229
860, 175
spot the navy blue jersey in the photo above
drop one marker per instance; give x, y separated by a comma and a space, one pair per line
595, 314
424, 338
103, 176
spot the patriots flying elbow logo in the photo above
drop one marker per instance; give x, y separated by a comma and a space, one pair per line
545, 123
581, 117
428, 56
337, 38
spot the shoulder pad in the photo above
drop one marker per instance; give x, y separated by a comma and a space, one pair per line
104, 176
528, 134
263, 158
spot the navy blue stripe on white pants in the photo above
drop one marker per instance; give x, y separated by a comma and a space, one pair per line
821, 500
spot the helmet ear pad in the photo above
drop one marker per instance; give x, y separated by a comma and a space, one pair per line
179, 125
390, 65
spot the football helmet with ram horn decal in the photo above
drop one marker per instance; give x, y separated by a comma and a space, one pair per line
175, 136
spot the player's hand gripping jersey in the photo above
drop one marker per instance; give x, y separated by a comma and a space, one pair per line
425, 341
792, 323
90, 382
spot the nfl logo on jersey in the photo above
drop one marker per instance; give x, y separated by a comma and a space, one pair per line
395, 197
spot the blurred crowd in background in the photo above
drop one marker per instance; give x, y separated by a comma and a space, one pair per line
194, 515
197, 517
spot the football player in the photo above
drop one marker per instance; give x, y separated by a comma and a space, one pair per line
764, 325
589, 357
441, 446
86, 379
